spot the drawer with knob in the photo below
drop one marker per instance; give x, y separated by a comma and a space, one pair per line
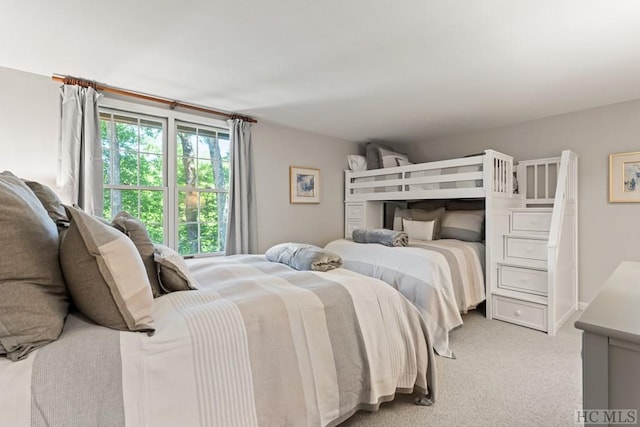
529, 248
530, 221
525, 313
522, 279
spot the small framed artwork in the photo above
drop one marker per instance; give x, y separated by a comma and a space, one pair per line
304, 185
624, 177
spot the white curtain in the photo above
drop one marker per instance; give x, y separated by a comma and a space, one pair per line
80, 152
242, 235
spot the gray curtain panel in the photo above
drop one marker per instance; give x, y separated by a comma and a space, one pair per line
79, 151
242, 235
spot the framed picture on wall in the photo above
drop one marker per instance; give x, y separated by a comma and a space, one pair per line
624, 177
304, 185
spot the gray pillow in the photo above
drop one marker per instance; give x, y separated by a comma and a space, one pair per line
50, 201
173, 272
462, 225
105, 274
419, 215
374, 160
33, 299
137, 232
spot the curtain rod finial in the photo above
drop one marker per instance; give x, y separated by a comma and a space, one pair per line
173, 105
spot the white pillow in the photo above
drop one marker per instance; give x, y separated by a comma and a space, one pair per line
418, 230
390, 158
357, 163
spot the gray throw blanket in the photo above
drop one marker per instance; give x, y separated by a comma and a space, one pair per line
303, 257
382, 236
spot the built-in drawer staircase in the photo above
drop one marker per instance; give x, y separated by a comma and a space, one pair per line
536, 279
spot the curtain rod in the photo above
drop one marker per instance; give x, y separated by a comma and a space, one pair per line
171, 103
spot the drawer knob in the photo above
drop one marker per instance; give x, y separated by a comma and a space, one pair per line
518, 313
534, 221
529, 249
523, 280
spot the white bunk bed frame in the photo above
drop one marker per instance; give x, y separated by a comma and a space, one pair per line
366, 192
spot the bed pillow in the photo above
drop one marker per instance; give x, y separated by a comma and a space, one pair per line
173, 273
50, 201
137, 232
462, 225
419, 230
33, 298
374, 161
391, 159
105, 274
418, 215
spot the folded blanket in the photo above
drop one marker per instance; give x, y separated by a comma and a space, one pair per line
303, 257
382, 236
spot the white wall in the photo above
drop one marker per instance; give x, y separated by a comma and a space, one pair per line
29, 125
29, 128
275, 149
609, 233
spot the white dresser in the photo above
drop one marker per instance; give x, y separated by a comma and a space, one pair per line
521, 294
611, 343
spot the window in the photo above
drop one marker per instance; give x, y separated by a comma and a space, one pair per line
171, 173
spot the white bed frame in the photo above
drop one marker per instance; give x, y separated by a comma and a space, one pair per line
491, 178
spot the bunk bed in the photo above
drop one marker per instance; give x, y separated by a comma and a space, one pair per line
530, 257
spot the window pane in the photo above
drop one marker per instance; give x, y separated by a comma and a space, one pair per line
151, 170
204, 146
209, 238
106, 201
127, 172
126, 135
150, 136
208, 207
128, 202
186, 176
106, 166
205, 174
187, 206
185, 144
155, 233
188, 238
151, 207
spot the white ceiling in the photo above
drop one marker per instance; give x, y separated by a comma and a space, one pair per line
354, 69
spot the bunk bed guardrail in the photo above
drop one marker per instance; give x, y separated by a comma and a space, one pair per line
467, 177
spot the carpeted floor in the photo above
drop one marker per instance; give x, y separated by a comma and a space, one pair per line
504, 375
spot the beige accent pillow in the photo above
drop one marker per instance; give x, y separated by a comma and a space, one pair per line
137, 232
105, 274
173, 272
419, 230
33, 298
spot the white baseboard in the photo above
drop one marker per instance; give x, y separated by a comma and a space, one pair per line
582, 305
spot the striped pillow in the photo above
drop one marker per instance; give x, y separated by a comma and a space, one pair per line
462, 225
105, 274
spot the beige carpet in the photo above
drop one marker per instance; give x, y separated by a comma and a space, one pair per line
504, 375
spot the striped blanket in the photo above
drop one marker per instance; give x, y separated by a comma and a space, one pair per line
442, 278
259, 344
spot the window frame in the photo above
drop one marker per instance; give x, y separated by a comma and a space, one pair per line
171, 188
